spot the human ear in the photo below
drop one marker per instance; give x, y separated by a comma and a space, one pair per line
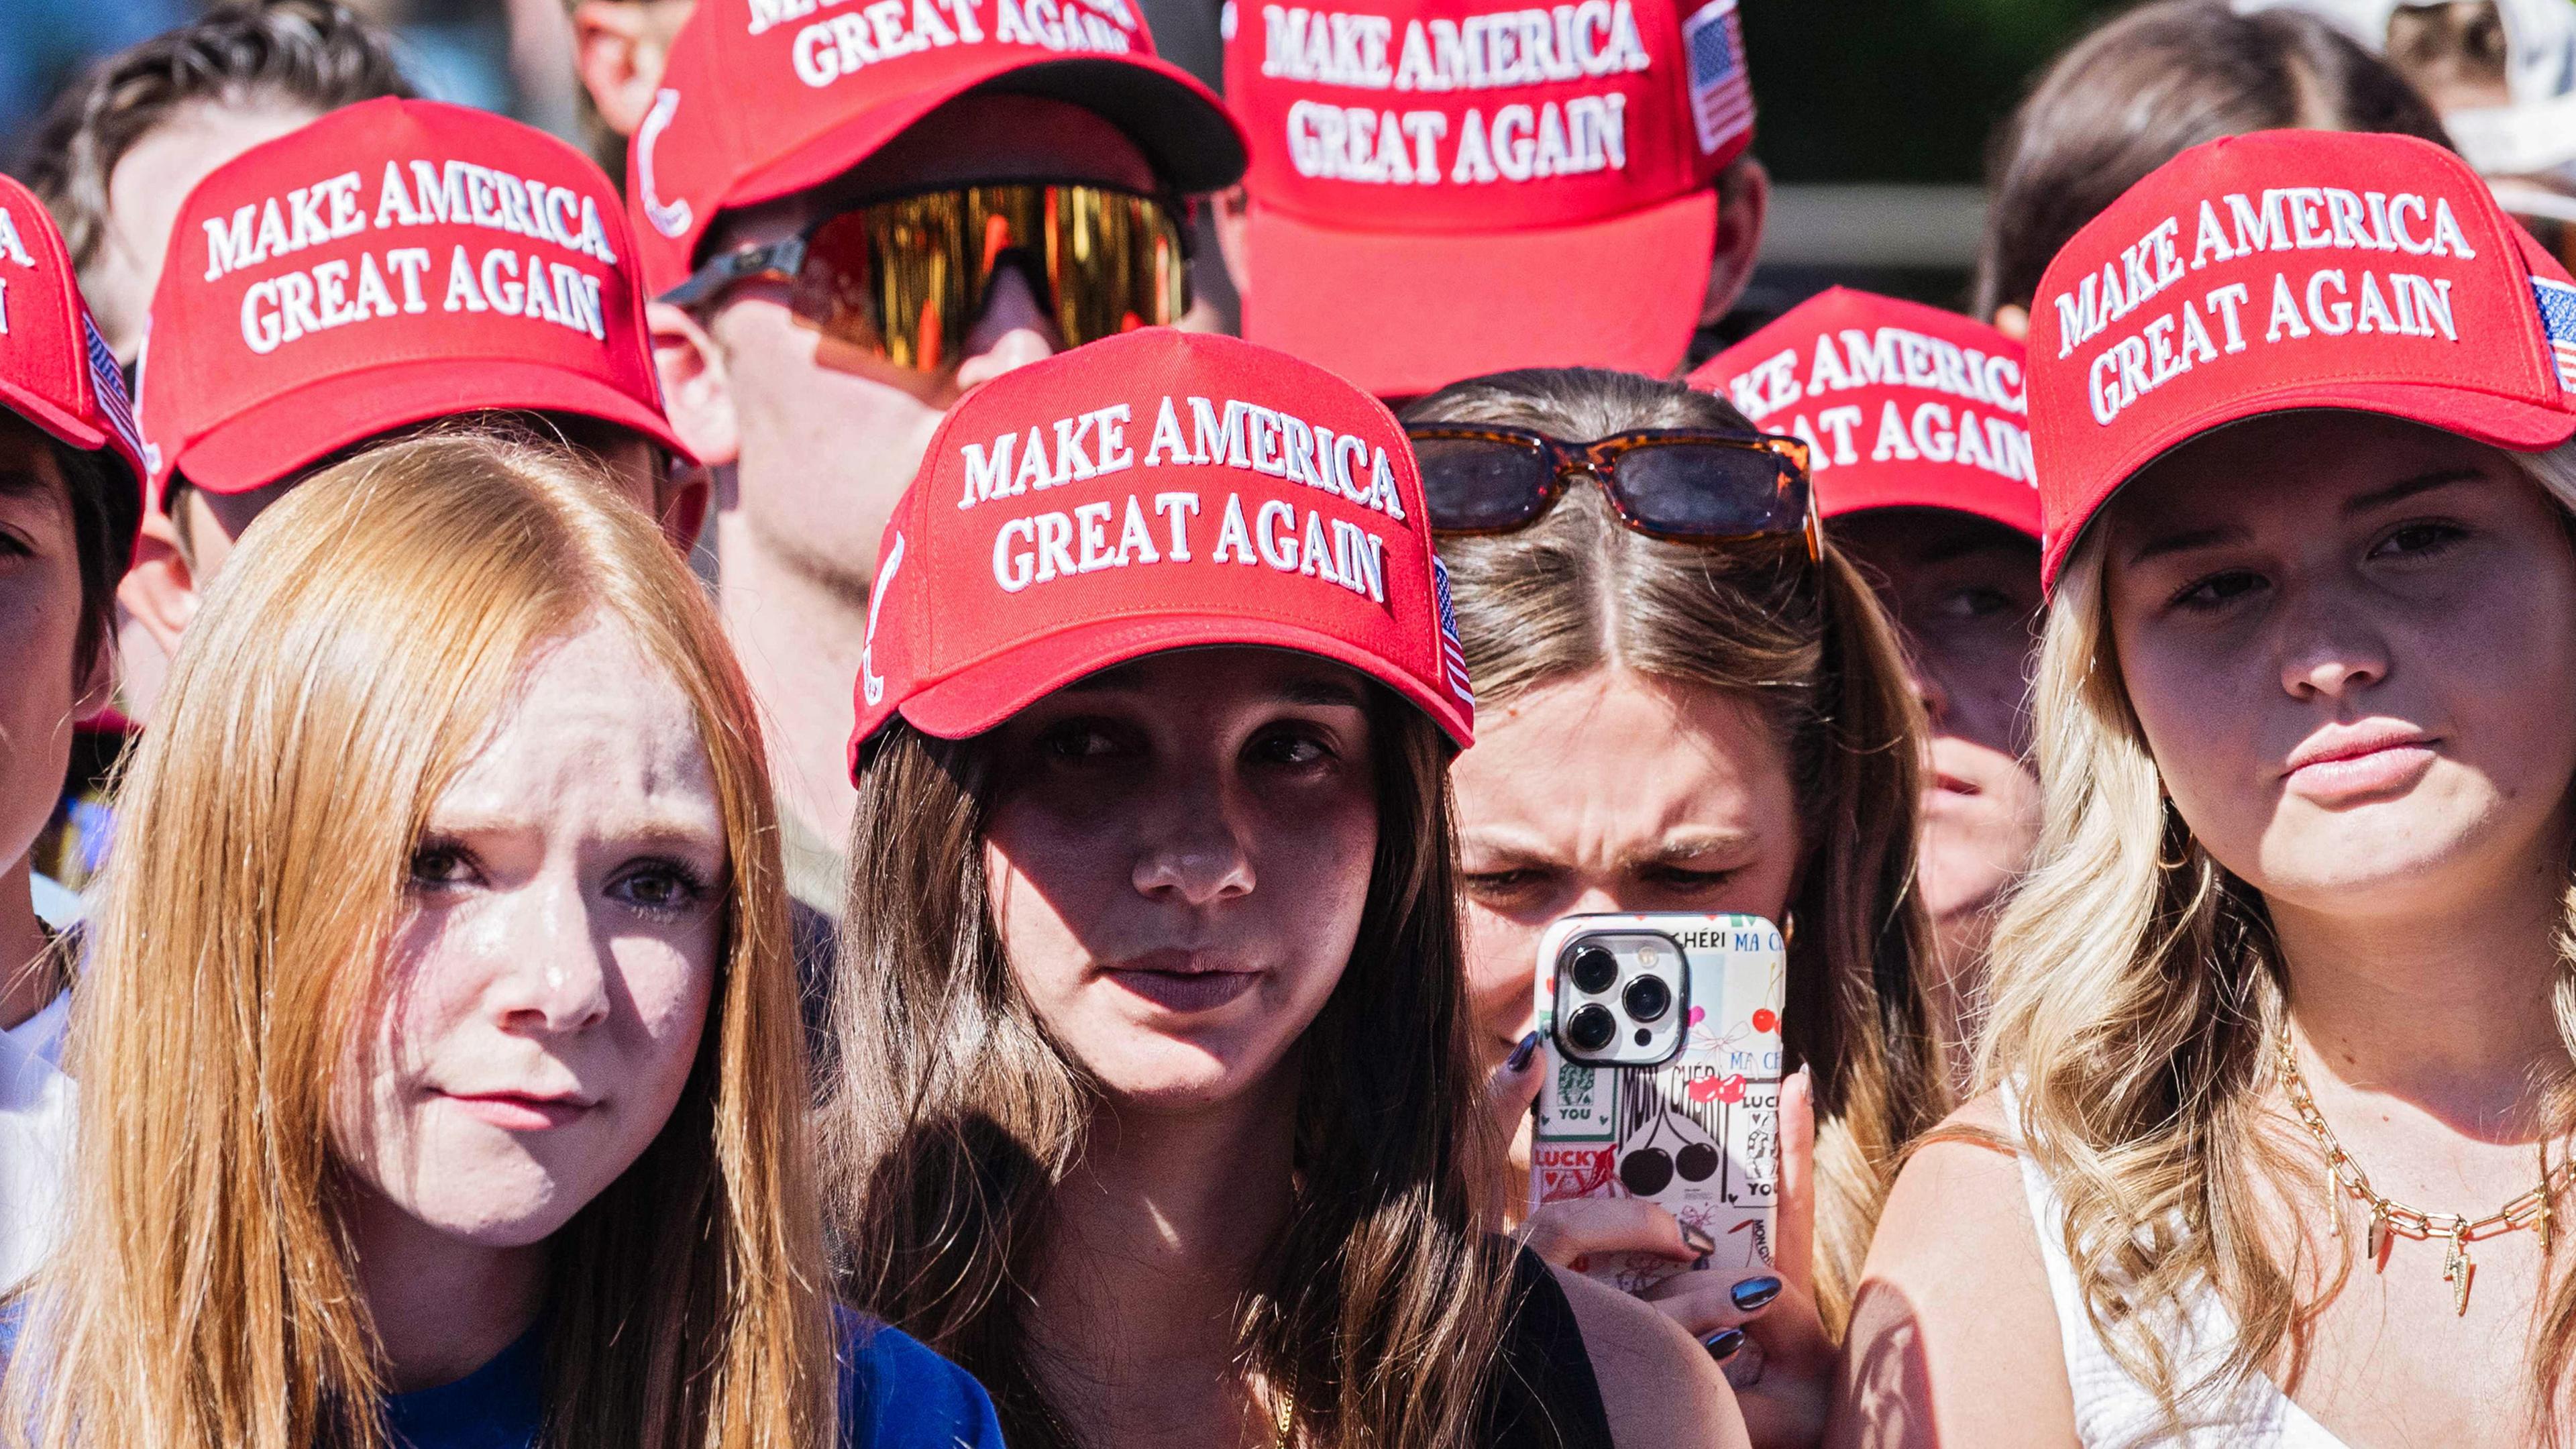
620, 58
697, 391
160, 590
1743, 206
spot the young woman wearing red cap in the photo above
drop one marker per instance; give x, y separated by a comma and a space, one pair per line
1154, 1035
1690, 723
71, 494
2275, 1150
67, 521
471, 1115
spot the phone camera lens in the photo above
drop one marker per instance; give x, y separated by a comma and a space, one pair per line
1648, 998
1593, 971
1591, 1028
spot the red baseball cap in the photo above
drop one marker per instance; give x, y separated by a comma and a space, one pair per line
55, 370
2288, 270
1444, 188
1900, 405
1157, 490
766, 97
393, 262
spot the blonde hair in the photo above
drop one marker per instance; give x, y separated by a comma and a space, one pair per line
341, 674
1806, 645
2135, 1000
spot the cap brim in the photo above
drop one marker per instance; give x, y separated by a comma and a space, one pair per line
2013, 505
76, 433
2513, 424
1406, 313
1186, 133
261, 444
990, 691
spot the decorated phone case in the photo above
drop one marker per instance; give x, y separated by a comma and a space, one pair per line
1698, 1135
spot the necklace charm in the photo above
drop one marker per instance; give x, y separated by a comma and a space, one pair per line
2457, 1267
2377, 1241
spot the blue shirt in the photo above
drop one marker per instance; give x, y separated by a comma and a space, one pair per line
895, 1394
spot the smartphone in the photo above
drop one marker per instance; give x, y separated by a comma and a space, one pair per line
1663, 1078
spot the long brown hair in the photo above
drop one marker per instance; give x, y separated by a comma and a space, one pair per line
2136, 997
954, 1117
1806, 644
340, 675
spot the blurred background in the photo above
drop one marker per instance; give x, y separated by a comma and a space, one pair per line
1874, 113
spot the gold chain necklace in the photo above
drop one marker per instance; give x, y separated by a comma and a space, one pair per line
2387, 1217
1287, 1419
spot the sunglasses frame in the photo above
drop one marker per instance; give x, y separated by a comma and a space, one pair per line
1599, 460
783, 260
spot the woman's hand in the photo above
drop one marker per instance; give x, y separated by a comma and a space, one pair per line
1762, 1328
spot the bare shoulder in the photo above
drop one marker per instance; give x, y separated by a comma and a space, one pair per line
1954, 1334
1659, 1386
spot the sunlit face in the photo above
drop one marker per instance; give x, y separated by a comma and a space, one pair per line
1611, 791
829, 434
40, 609
1180, 851
549, 982
1964, 594
2351, 642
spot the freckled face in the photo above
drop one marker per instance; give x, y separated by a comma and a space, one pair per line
548, 985
1180, 852
1611, 791
1964, 594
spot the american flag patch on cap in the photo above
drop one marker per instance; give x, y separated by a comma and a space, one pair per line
2558, 319
1453, 655
1721, 92
109, 383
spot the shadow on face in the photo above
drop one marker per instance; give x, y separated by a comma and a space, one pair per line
40, 616
2349, 641
1180, 851
1964, 594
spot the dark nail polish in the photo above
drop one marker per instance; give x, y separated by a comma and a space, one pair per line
1752, 1293
1722, 1344
1699, 1243
1520, 1057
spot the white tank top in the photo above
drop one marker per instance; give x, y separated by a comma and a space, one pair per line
2114, 1410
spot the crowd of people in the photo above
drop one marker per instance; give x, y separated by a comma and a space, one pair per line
616, 827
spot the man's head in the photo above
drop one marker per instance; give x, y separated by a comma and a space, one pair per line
118, 151
851, 224
1446, 188
393, 267
71, 493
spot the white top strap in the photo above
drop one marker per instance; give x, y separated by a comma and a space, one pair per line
2115, 1411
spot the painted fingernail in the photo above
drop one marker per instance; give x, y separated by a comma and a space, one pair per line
1699, 1243
1520, 1057
1752, 1293
1722, 1344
